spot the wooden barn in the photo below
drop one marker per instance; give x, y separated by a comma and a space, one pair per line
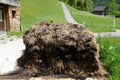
101, 10
9, 15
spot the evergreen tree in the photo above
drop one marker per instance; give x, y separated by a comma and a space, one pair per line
71, 2
114, 8
88, 5
84, 5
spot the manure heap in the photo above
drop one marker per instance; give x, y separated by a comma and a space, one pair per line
68, 49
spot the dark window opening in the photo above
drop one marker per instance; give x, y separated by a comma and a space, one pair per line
13, 14
1, 16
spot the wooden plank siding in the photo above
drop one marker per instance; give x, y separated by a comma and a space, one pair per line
11, 15
101, 10
10, 2
5, 16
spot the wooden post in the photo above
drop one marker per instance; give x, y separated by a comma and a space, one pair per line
113, 22
84, 22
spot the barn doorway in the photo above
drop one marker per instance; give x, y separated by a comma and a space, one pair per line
2, 26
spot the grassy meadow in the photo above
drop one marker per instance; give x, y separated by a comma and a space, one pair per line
39, 11
94, 22
110, 56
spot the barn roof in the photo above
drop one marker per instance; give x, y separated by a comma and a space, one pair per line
99, 8
10, 2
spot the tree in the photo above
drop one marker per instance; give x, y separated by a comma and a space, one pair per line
114, 8
88, 4
71, 2
85, 5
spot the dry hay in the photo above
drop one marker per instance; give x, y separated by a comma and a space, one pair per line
68, 49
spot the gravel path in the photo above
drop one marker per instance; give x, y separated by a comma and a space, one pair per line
68, 15
70, 19
108, 34
10, 51
5, 39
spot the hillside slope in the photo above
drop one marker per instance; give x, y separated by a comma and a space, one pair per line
40, 10
95, 23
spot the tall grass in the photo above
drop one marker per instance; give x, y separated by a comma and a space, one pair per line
110, 55
94, 22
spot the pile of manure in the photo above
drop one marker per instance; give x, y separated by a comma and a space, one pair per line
68, 49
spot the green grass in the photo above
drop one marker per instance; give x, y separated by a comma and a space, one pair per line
39, 11
94, 22
110, 56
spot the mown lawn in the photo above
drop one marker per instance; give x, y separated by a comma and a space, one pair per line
110, 56
94, 22
39, 11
